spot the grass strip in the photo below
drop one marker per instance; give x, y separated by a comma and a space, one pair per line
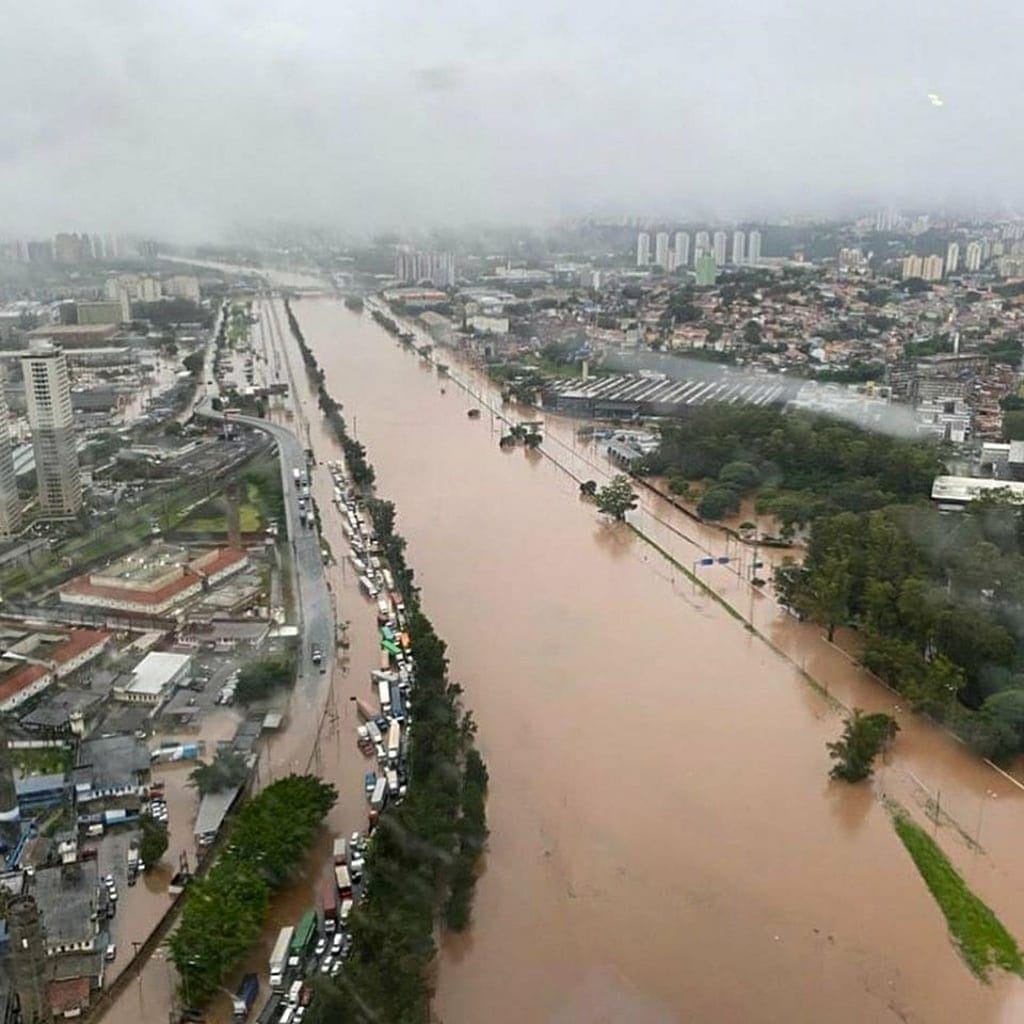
978, 934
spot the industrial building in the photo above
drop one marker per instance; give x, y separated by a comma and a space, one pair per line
154, 678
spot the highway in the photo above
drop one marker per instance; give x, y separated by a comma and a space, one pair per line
315, 616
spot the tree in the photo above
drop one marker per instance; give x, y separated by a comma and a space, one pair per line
261, 677
864, 737
718, 501
226, 770
616, 498
588, 488
153, 844
826, 596
741, 475
194, 363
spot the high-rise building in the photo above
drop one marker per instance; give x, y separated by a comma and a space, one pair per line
10, 506
48, 398
701, 245
912, 266
952, 257
972, 260
931, 268
27, 961
661, 249
738, 245
720, 243
10, 814
643, 249
706, 269
413, 266
682, 249
754, 248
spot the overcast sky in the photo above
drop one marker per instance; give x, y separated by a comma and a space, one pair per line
185, 118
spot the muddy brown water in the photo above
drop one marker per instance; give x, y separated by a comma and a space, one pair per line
665, 845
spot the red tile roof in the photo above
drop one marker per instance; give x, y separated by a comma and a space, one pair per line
69, 994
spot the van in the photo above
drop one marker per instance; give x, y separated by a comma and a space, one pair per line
94, 830
286, 1017
110, 953
294, 992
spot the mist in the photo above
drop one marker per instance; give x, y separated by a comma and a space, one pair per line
190, 118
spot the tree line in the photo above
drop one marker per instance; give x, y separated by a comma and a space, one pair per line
799, 466
939, 602
224, 911
422, 861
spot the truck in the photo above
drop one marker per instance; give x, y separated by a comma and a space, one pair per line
329, 902
279, 957
343, 880
296, 476
397, 702
340, 850
384, 692
379, 795
317, 654
302, 939
392, 780
394, 741
374, 730
364, 711
242, 1000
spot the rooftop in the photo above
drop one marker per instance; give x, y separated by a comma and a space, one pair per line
110, 761
55, 712
156, 670
66, 901
964, 489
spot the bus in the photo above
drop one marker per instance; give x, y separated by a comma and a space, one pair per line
302, 939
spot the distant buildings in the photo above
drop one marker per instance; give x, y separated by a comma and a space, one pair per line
972, 260
414, 267
911, 266
754, 248
720, 243
701, 245
931, 268
661, 249
48, 398
706, 268
738, 247
643, 249
682, 249
952, 257
10, 506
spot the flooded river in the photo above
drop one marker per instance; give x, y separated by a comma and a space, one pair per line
665, 845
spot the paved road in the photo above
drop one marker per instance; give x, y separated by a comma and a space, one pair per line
316, 620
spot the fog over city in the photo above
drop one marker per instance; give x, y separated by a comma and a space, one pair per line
190, 118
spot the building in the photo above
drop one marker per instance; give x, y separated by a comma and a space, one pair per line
154, 678
108, 312
754, 248
931, 268
972, 260
952, 257
720, 244
739, 240
701, 245
682, 249
26, 958
182, 286
32, 659
153, 581
48, 398
213, 809
661, 249
413, 267
10, 814
706, 268
911, 266
110, 773
957, 491
643, 249
10, 503
66, 895
74, 335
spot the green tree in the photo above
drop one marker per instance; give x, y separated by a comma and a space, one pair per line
194, 363
864, 737
718, 501
227, 769
616, 498
743, 476
827, 594
153, 844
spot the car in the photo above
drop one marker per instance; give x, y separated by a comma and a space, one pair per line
321, 945
112, 893
110, 953
336, 944
327, 964
336, 969
108, 880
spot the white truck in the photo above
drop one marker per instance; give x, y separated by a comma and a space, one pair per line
392, 780
379, 794
279, 957
394, 741
384, 693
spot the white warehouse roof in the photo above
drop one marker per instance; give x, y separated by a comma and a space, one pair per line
963, 489
156, 671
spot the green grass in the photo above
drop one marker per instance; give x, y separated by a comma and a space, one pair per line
41, 760
979, 935
248, 522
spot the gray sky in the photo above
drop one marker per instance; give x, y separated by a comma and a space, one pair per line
186, 117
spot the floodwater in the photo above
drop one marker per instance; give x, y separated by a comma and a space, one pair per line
665, 844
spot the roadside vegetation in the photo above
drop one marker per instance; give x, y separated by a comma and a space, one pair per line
423, 858
227, 770
982, 940
224, 911
154, 841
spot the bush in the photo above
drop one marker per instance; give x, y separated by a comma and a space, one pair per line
718, 501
